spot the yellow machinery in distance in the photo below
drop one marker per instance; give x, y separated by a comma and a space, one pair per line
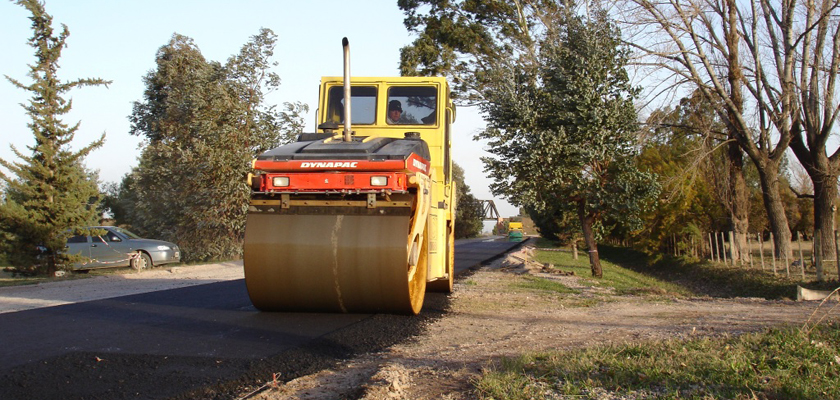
359, 220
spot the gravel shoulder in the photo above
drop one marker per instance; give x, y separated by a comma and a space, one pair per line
48, 294
488, 320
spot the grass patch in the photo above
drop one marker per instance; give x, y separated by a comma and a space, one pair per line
777, 364
616, 275
713, 279
633, 272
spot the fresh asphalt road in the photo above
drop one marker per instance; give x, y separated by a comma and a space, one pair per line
200, 341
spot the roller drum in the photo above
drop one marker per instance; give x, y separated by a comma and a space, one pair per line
332, 263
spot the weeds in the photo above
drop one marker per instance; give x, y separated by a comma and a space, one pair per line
780, 363
783, 363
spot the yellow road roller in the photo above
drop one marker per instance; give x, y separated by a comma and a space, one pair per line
358, 216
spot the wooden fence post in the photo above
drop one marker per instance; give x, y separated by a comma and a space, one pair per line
749, 246
801, 258
787, 266
761, 249
773, 252
723, 246
716, 251
818, 255
732, 249
711, 249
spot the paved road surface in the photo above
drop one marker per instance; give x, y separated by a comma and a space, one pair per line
202, 341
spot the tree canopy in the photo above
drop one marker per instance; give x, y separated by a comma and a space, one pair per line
204, 122
51, 193
558, 103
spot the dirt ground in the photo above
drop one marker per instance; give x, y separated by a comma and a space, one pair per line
489, 320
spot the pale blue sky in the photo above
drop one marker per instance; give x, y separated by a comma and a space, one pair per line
117, 40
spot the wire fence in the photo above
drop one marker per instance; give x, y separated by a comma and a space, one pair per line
757, 251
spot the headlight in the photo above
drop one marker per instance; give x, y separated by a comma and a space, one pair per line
379, 181
163, 247
280, 181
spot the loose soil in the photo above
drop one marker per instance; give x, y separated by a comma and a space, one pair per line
489, 318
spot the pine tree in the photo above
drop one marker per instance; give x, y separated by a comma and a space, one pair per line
51, 194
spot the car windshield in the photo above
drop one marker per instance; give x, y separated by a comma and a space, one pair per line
128, 233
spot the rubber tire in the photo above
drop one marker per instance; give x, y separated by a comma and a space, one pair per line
144, 261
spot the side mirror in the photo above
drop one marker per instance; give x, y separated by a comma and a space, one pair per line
115, 238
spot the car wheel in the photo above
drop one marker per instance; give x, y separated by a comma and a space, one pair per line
141, 261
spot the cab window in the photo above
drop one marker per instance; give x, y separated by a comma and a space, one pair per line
363, 105
412, 105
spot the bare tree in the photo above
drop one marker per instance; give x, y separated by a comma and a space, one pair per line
817, 45
722, 47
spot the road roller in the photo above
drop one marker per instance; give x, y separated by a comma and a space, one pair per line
358, 216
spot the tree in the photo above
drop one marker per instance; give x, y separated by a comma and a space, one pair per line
564, 133
685, 148
461, 38
766, 66
51, 194
468, 210
818, 54
204, 122
557, 100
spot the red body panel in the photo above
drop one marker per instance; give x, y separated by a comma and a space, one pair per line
334, 181
339, 175
413, 163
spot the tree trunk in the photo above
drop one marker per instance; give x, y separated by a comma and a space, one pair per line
823, 172
739, 202
769, 178
586, 221
825, 192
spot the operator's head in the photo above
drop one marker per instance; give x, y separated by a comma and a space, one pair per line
394, 110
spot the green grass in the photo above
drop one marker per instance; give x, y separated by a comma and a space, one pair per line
777, 364
615, 275
716, 279
632, 272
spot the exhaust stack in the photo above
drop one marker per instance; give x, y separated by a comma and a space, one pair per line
347, 115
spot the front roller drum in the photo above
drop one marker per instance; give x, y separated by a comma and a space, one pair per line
334, 263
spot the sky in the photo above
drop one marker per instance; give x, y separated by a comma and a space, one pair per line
118, 40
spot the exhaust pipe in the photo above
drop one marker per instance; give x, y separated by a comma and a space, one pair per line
347, 132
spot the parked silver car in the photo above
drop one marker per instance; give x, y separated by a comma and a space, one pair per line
119, 247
